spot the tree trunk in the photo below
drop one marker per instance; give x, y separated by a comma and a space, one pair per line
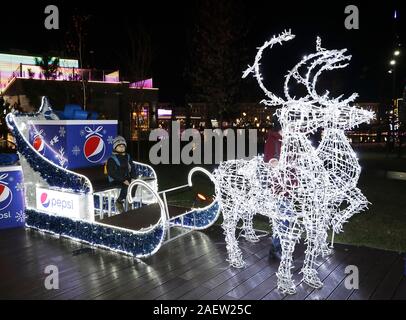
81, 67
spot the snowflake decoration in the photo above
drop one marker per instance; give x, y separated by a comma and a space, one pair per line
20, 216
104, 131
19, 186
62, 132
110, 139
54, 140
62, 160
76, 151
11, 179
82, 133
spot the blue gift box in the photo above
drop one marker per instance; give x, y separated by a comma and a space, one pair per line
73, 143
12, 202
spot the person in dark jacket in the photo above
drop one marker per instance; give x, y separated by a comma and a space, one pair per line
120, 169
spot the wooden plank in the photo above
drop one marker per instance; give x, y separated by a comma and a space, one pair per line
174, 271
182, 288
330, 263
46, 244
369, 283
72, 267
248, 285
174, 292
228, 285
365, 263
195, 294
190, 267
275, 294
400, 293
30, 274
157, 291
270, 284
133, 281
336, 277
199, 280
209, 281
387, 287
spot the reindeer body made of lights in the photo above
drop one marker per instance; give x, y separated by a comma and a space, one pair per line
299, 194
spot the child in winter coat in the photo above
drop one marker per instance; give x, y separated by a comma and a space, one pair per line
120, 170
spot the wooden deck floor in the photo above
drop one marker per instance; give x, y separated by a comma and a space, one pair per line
191, 267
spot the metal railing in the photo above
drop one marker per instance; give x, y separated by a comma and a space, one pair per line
26, 71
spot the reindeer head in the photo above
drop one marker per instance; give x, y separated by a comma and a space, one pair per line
300, 115
312, 111
337, 112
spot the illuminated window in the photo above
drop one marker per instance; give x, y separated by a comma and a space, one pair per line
139, 120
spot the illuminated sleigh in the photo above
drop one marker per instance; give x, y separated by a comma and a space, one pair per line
138, 232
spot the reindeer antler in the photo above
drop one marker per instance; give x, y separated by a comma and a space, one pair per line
330, 60
332, 64
255, 68
298, 77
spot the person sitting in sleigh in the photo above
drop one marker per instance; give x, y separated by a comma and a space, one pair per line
120, 170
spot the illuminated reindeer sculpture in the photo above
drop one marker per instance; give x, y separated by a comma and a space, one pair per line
344, 198
339, 159
294, 194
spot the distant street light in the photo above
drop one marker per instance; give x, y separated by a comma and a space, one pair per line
396, 53
392, 62
390, 71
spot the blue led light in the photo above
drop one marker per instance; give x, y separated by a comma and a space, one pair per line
133, 243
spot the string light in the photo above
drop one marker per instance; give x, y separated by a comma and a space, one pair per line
40, 172
306, 190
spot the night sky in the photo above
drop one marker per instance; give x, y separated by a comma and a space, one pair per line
169, 23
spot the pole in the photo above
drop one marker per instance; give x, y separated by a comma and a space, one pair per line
332, 240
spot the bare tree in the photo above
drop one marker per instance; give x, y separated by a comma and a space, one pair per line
76, 43
136, 56
213, 71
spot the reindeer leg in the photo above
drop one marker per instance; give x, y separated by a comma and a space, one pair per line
234, 252
310, 276
288, 235
356, 203
325, 250
248, 227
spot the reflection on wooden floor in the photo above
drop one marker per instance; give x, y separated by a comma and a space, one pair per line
190, 267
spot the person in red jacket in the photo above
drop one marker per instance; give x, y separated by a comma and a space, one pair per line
273, 144
272, 152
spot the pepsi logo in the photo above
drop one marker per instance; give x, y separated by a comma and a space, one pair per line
38, 144
54, 201
94, 149
6, 196
45, 200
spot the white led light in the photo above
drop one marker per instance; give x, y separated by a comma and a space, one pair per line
308, 190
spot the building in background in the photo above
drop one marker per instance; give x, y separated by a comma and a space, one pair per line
12, 64
133, 104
